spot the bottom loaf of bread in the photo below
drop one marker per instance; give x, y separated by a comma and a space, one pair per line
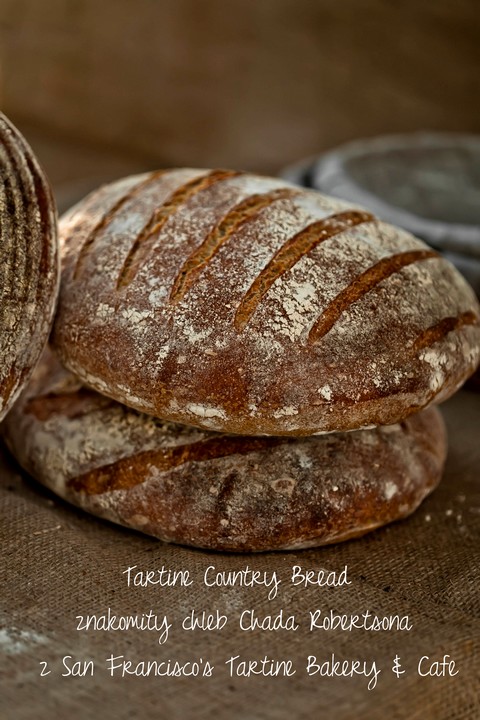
221, 492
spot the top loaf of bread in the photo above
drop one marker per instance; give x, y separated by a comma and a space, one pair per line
244, 304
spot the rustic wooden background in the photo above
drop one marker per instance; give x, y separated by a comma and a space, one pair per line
105, 86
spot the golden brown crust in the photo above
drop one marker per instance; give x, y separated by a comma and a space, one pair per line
29, 271
243, 304
217, 491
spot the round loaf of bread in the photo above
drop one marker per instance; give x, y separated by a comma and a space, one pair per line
29, 269
222, 492
243, 304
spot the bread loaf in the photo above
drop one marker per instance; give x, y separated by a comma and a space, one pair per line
28, 262
247, 305
222, 492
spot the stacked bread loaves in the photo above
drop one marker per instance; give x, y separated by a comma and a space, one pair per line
251, 366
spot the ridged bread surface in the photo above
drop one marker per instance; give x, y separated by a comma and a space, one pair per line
243, 304
29, 271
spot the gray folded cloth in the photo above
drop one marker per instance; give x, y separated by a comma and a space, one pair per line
427, 183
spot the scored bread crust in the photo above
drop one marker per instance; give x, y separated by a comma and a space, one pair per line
244, 304
221, 492
29, 267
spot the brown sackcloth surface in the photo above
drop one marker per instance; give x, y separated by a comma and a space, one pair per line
58, 563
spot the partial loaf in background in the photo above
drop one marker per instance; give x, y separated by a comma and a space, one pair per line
221, 492
29, 271
243, 304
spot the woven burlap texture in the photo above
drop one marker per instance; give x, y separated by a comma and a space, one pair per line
59, 563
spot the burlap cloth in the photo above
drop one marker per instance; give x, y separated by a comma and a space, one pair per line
59, 563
